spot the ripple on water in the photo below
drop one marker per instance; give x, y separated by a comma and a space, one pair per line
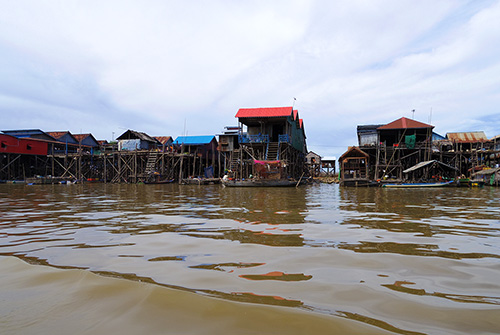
393, 260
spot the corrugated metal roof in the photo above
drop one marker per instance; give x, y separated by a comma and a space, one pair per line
425, 163
467, 137
80, 137
132, 134
264, 112
23, 132
163, 139
405, 123
31, 133
486, 172
194, 140
371, 128
57, 134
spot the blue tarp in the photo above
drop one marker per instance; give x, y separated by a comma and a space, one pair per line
194, 140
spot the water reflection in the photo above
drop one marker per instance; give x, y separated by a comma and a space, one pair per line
411, 249
401, 286
321, 248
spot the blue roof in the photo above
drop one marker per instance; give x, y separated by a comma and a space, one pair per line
194, 140
24, 132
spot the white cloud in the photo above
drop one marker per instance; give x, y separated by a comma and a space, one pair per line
154, 65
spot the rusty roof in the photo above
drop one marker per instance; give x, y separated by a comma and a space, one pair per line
405, 123
265, 112
467, 137
81, 137
164, 139
57, 134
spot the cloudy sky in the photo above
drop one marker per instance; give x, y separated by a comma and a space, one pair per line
186, 67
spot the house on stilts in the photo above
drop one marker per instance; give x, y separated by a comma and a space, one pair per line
270, 144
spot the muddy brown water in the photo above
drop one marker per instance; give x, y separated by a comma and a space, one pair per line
320, 259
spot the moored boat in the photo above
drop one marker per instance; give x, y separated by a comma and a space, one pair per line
418, 185
259, 183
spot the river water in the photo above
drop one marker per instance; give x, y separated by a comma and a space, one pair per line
320, 259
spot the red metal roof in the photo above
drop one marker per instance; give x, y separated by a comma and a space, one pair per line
467, 137
264, 112
404, 123
295, 113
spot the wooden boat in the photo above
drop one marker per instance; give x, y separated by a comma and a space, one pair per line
165, 181
418, 185
476, 183
200, 181
259, 183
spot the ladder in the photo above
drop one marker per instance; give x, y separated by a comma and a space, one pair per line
151, 163
234, 160
272, 152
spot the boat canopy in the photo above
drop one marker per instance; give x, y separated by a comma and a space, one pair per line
426, 163
486, 172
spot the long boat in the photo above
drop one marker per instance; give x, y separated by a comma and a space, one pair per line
418, 185
259, 183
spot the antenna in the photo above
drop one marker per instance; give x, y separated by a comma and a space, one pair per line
413, 115
293, 103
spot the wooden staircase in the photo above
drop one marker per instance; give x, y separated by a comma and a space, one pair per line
272, 152
234, 160
151, 163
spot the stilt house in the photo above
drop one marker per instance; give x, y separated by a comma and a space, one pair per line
354, 168
269, 134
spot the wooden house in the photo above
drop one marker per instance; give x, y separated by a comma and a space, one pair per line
87, 140
489, 176
228, 141
354, 168
166, 142
29, 133
60, 142
368, 135
328, 166
313, 160
133, 140
404, 132
401, 144
63, 137
200, 153
272, 125
23, 146
199, 145
467, 141
269, 134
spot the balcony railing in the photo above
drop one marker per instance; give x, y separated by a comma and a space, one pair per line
284, 139
254, 138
